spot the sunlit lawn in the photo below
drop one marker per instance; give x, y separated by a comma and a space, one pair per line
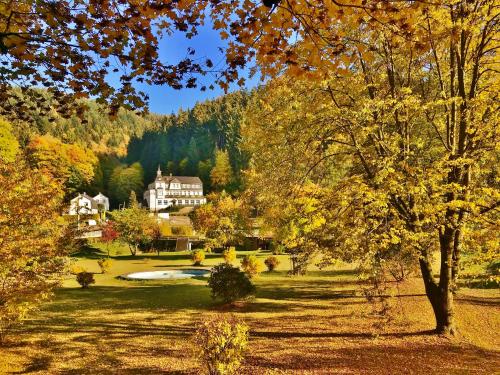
319, 323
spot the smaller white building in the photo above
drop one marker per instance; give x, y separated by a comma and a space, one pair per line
84, 204
102, 200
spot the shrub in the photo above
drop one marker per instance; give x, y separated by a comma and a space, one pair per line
85, 279
75, 269
220, 344
229, 255
251, 265
271, 262
229, 284
105, 264
198, 256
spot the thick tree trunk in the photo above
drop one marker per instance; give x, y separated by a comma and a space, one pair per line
440, 294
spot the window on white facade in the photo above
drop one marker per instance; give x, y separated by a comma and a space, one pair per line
197, 201
165, 202
159, 201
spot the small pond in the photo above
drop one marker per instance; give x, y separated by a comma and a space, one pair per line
166, 274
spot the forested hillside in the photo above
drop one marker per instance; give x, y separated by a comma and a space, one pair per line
187, 143
125, 151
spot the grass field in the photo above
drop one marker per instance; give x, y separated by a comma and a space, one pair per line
314, 324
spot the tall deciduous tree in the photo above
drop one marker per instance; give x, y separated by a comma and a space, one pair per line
412, 95
30, 256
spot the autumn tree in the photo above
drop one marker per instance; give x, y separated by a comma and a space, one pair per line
31, 260
221, 174
69, 164
224, 220
109, 234
134, 225
409, 84
382, 194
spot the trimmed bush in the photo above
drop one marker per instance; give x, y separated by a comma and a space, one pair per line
229, 284
197, 257
85, 279
229, 255
105, 264
220, 343
271, 262
251, 265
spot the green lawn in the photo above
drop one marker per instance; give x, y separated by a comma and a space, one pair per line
318, 324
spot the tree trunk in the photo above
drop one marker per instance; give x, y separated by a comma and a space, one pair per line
133, 249
441, 295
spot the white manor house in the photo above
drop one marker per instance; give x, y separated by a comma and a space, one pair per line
167, 191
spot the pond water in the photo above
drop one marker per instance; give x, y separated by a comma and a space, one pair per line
166, 274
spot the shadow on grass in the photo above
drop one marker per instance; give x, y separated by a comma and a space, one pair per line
38, 363
492, 302
417, 358
134, 296
91, 331
357, 335
89, 252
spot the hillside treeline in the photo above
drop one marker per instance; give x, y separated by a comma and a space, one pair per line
115, 155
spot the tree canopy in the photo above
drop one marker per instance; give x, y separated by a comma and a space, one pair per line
31, 233
402, 136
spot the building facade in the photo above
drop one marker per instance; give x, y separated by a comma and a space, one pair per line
168, 191
84, 204
102, 200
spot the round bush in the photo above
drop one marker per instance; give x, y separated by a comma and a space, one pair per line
229, 255
198, 256
85, 279
271, 262
220, 343
251, 265
229, 284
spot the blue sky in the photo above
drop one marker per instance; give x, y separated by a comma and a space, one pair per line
166, 100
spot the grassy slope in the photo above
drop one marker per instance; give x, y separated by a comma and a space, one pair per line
313, 324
